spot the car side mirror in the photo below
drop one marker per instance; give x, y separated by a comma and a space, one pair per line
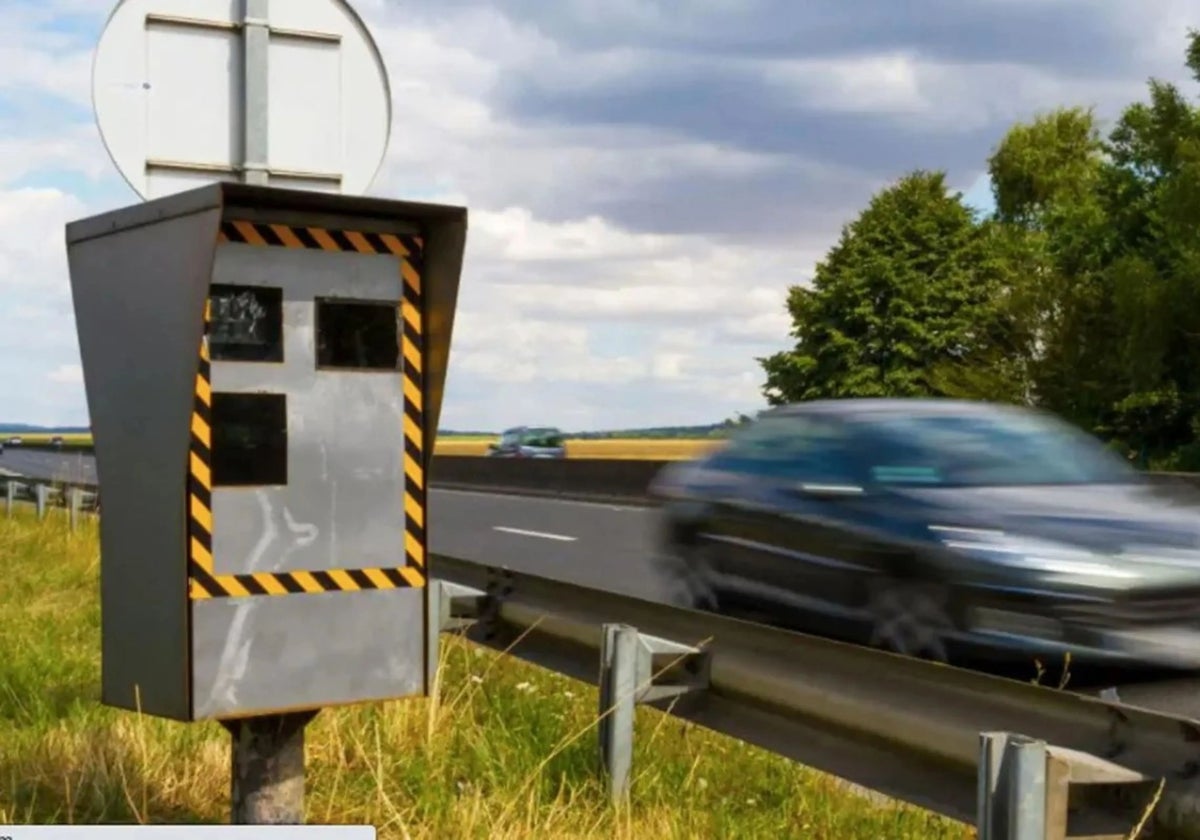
491, 447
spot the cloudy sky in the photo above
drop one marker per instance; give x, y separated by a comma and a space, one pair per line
645, 177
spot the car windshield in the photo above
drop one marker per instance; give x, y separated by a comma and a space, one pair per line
543, 437
984, 449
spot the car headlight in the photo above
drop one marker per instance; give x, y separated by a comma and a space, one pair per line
1032, 553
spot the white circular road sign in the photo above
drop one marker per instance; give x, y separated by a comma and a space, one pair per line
291, 93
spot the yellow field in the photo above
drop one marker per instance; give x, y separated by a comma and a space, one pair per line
466, 445
615, 449
79, 438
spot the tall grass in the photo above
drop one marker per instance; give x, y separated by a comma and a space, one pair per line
502, 749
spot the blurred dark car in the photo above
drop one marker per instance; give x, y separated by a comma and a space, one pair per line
529, 442
938, 529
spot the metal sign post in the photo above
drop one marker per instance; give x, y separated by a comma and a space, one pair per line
263, 544
256, 93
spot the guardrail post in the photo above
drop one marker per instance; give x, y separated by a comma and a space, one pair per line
1011, 801
10, 496
451, 606
637, 668
42, 494
74, 502
618, 688
268, 769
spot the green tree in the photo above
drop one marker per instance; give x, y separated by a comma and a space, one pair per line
1046, 167
1152, 191
1112, 229
910, 302
1045, 178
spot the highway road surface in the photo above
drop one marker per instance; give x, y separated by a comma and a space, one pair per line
59, 466
600, 546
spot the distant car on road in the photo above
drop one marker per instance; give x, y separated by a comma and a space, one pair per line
938, 528
57, 442
15, 441
529, 442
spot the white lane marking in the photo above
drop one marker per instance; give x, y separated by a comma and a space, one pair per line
551, 499
539, 534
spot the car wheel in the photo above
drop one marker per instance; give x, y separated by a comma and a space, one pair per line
912, 619
687, 578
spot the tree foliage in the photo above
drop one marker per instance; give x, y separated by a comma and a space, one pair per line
1080, 294
908, 295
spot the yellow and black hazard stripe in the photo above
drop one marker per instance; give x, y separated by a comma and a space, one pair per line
205, 583
412, 347
200, 543
319, 238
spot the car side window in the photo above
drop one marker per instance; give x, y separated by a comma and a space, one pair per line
793, 448
542, 437
510, 438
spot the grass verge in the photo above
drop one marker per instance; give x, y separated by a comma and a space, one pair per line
503, 750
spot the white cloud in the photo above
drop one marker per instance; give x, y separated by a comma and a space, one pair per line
514, 235
37, 333
32, 252
67, 375
948, 96
71, 150
29, 69
861, 84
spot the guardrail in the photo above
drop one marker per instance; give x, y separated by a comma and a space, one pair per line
585, 478
588, 479
1019, 761
77, 500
